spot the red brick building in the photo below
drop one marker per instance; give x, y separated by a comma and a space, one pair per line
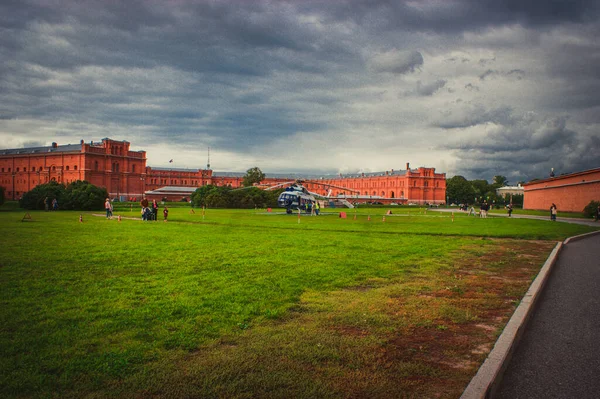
570, 192
124, 173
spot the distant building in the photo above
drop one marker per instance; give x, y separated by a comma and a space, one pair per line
570, 192
508, 191
111, 164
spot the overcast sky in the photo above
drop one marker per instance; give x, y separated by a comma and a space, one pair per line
471, 87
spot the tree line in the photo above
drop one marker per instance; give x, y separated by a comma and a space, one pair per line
462, 191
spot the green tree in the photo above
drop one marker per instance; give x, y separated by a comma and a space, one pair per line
34, 199
1, 195
482, 187
81, 195
253, 175
459, 190
500, 181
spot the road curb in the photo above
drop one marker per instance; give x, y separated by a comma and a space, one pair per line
580, 237
489, 375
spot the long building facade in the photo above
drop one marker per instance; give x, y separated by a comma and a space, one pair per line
571, 192
124, 173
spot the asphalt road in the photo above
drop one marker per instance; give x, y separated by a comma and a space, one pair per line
559, 353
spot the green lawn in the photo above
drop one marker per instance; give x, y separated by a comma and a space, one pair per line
245, 303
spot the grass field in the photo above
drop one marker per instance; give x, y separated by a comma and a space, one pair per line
244, 303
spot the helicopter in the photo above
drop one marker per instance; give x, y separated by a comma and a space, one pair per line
296, 196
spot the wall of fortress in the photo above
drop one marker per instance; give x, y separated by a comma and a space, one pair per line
570, 192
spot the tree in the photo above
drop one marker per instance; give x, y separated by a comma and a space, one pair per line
459, 190
482, 187
253, 175
1, 195
500, 181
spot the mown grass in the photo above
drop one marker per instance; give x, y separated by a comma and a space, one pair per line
250, 304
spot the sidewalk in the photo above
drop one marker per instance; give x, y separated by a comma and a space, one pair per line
558, 355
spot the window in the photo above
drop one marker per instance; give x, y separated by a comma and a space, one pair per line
54, 168
2, 169
75, 167
9, 169
133, 168
17, 169
67, 167
24, 169
96, 166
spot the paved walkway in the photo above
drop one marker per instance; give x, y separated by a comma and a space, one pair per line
559, 353
585, 222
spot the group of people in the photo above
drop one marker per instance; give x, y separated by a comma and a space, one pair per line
150, 210
48, 207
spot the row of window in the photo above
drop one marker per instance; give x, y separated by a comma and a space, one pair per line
383, 184
39, 169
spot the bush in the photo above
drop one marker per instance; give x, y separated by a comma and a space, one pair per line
83, 196
79, 195
226, 197
590, 209
1, 196
34, 199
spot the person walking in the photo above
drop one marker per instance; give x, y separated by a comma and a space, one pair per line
108, 208
553, 212
154, 210
510, 209
165, 213
55, 204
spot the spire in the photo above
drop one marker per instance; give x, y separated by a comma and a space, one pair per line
208, 162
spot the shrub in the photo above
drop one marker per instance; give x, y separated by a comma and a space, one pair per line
83, 196
590, 209
1, 195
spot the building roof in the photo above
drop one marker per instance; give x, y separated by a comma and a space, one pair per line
41, 150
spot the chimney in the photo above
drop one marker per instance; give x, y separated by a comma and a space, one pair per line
407, 166
54, 145
81, 142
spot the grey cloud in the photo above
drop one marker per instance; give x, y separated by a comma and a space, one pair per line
398, 62
470, 115
426, 89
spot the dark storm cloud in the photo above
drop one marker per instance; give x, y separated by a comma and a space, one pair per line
463, 15
241, 75
526, 147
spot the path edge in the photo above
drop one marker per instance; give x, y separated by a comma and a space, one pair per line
489, 375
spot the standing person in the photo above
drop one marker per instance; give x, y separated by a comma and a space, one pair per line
318, 208
108, 208
509, 210
553, 212
47, 204
154, 209
55, 204
165, 213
